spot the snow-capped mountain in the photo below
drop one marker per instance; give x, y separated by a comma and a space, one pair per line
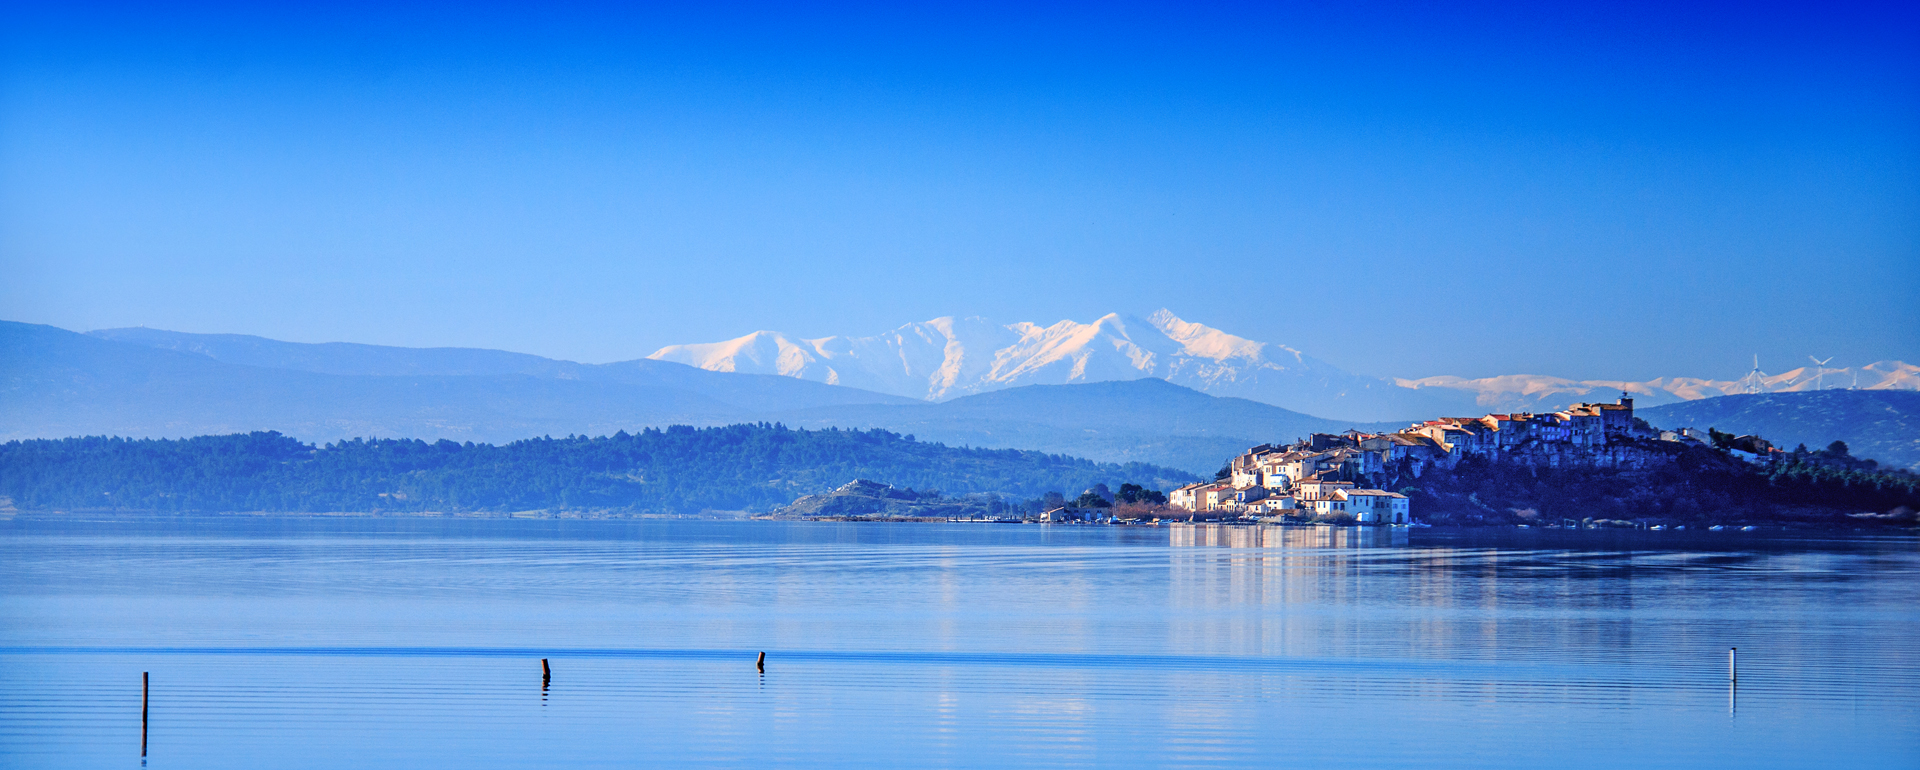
932, 360
951, 357
1532, 392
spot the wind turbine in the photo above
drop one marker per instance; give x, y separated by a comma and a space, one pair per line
1820, 378
1755, 381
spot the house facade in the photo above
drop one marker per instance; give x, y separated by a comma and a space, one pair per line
1378, 506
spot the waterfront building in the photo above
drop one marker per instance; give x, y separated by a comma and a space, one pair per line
1378, 506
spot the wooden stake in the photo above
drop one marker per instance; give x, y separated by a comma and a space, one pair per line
761, 663
143, 713
1733, 664
546, 671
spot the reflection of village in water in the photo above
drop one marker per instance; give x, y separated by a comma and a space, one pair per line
1229, 536
1283, 591
1358, 611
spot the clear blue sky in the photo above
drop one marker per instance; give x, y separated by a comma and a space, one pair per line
1620, 191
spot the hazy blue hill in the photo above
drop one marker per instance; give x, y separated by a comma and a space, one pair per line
1147, 420
56, 383
145, 382
757, 392
342, 357
153, 383
1882, 425
752, 392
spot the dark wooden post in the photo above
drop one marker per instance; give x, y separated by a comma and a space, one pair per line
143, 714
761, 663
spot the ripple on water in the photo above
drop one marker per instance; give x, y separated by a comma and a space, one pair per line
390, 645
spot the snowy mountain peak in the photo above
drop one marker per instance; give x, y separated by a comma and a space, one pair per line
1206, 342
1516, 392
949, 357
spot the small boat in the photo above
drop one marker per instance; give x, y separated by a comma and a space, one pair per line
1658, 527
1716, 528
1748, 528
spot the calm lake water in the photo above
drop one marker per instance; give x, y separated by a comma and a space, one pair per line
411, 643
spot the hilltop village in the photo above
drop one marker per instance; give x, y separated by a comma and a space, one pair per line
1592, 465
1330, 477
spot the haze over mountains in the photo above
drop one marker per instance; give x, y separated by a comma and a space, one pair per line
949, 357
1540, 393
58, 383
151, 383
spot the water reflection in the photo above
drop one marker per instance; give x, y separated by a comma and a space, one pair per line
1234, 536
931, 645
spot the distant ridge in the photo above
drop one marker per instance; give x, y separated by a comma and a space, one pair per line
952, 357
352, 359
152, 383
1145, 420
346, 358
156, 384
1539, 393
56, 383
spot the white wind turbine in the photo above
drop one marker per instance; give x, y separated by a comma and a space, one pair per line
1820, 373
1755, 381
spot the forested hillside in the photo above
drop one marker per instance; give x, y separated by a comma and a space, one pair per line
677, 470
1696, 486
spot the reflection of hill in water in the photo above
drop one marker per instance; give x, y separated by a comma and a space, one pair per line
1231, 536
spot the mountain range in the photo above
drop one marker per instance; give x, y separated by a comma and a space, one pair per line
152, 383
1539, 393
951, 357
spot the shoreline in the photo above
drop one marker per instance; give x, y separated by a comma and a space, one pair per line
1730, 527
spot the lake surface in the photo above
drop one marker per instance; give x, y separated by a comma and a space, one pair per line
408, 643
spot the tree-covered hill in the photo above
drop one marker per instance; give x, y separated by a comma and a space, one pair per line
677, 470
1692, 486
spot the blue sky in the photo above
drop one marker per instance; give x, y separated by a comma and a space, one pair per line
1630, 191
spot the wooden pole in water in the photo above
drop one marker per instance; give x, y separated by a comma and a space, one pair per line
1733, 664
143, 713
761, 664
546, 671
